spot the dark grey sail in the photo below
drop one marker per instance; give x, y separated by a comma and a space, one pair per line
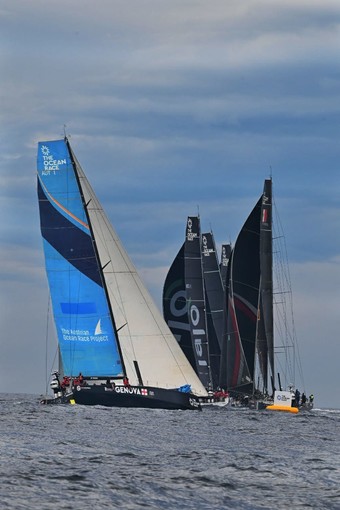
196, 299
243, 299
175, 309
214, 303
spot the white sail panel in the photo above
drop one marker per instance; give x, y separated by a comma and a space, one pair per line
143, 334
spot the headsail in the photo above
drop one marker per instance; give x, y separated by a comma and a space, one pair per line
92, 278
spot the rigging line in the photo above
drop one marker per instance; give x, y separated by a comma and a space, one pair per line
287, 280
77, 318
55, 355
46, 343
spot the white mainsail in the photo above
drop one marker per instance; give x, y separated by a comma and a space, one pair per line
143, 334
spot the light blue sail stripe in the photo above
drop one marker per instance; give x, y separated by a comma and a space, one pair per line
78, 308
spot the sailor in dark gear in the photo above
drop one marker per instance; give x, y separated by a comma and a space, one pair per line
297, 398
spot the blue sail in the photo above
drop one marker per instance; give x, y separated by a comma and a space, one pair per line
84, 325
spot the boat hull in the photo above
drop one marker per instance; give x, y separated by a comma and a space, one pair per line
259, 405
285, 409
64, 399
213, 401
145, 397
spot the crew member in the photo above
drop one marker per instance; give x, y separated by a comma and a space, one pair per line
297, 398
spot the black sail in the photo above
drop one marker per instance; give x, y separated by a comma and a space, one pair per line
243, 300
175, 309
214, 303
196, 299
266, 327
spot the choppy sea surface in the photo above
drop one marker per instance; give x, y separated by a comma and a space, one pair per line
77, 457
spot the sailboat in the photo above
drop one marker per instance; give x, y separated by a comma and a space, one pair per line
193, 306
248, 359
115, 347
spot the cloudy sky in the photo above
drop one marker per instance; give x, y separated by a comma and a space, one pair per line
174, 107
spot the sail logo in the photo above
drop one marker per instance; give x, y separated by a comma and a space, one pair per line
131, 391
265, 216
197, 333
51, 165
190, 234
225, 259
179, 310
224, 256
206, 252
82, 335
98, 329
283, 398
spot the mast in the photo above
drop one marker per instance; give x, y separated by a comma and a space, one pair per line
266, 267
74, 165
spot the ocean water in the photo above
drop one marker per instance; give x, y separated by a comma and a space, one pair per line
76, 457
